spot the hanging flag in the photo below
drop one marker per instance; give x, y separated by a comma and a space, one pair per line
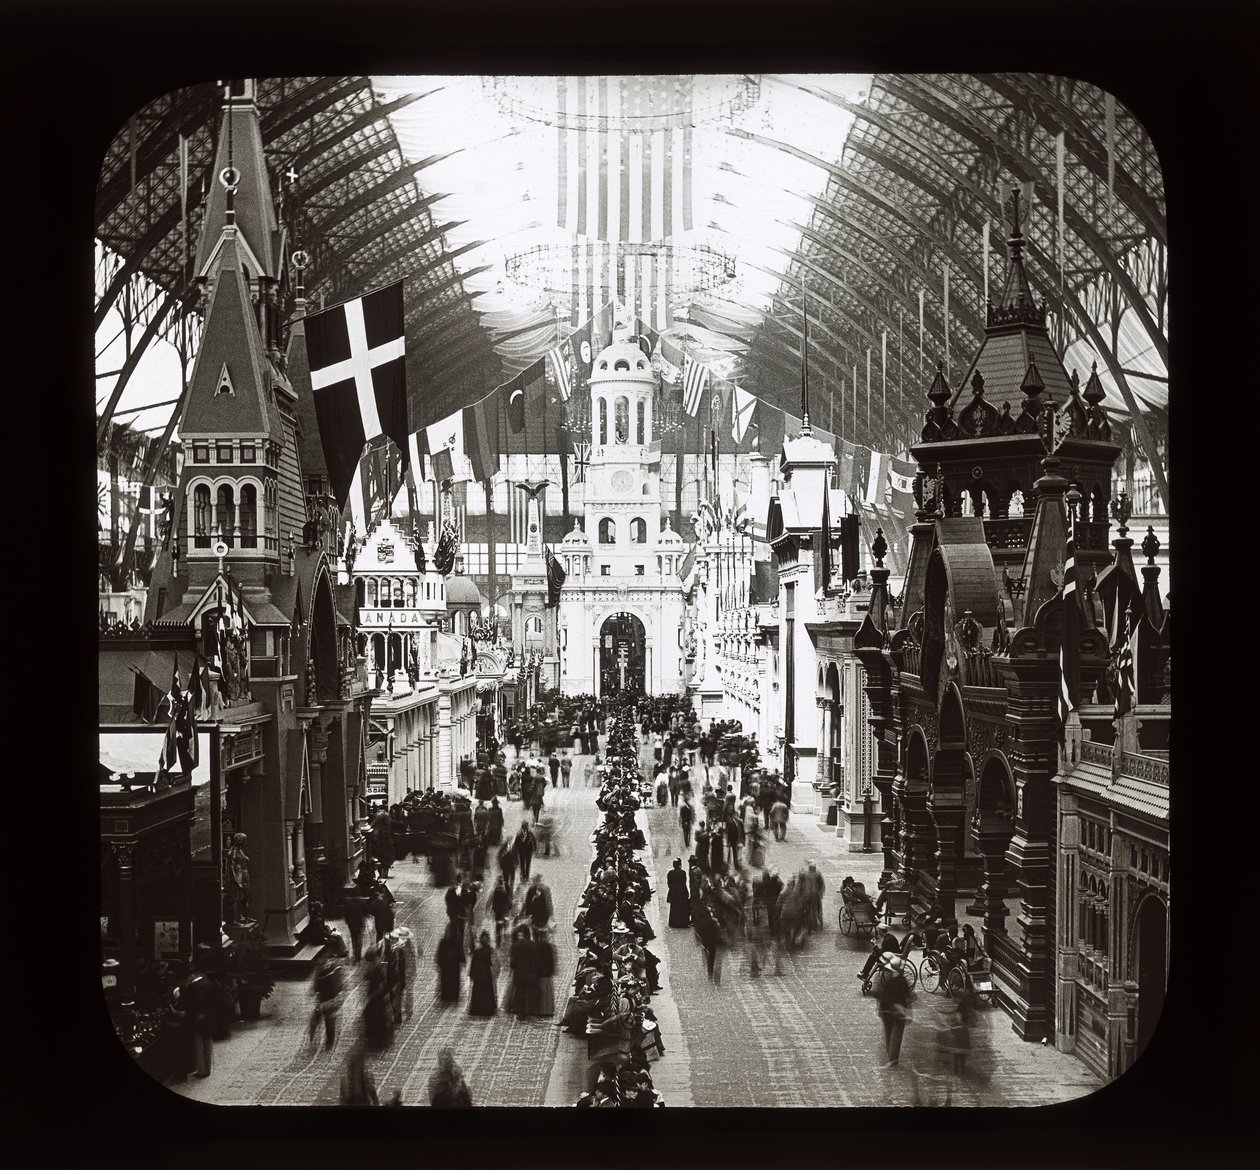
1069, 670
861, 474
695, 376
850, 551
481, 437
946, 311
445, 441
901, 475
1125, 674
559, 359
415, 458
358, 375
555, 577
516, 403
743, 407
868, 388
624, 170
581, 461
417, 547
447, 547
147, 697
877, 478
198, 691
844, 474
688, 564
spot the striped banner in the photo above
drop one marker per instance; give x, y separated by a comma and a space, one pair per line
1069, 673
695, 375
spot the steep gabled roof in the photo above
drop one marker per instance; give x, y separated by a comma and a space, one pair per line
231, 341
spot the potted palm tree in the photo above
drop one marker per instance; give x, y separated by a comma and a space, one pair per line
251, 972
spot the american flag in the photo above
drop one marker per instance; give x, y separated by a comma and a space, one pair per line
560, 368
695, 375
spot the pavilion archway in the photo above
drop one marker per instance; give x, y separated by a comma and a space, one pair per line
622, 655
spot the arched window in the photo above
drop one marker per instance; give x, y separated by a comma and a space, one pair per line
603, 421
249, 516
641, 426
622, 417
534, 626
398, 593
607, 531
225, 514
638, 531
369, 587
411, 593
201, 516
269, 514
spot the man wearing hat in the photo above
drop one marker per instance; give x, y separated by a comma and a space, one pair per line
894, 1005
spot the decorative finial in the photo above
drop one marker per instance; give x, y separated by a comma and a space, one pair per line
1093, 388
1032, 385
1150, 545
879, 547
939, 391
1121, 510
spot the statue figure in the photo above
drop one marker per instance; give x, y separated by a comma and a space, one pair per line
236, 880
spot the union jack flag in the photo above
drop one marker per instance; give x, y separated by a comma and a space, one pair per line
581, 461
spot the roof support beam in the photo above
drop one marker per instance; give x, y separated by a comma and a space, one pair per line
133, 360
368, 118
1083, 145
307, 102
381, 190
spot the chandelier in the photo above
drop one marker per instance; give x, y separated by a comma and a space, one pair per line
544, 273
646, 102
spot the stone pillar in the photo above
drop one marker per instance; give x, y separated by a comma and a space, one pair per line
992, 835
916, 838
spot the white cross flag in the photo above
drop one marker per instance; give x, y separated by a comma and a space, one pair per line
358, 376
446, 447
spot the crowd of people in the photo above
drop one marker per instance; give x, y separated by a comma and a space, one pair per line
617, 973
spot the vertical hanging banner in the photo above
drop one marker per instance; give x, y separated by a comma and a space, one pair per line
868, 389
1058, 174
855, 392
883, 378
947, 322
183, 203
921, 294
1109, 131
985, 306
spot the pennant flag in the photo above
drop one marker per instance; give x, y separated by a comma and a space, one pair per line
559, 359
481, 438
415, 457
769, 427
417, 545
376, 480
695, 376
358, 375
688, 564
516, 403
445, 441
1126, 676
1069, 670
743, 406
555, 577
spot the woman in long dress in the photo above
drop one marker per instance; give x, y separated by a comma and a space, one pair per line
481, 971
545, 968
450, 958
522, 995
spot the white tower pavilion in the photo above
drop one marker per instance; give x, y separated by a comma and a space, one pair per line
621, 607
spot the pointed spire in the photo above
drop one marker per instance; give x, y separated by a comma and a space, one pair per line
1032, 385
1093, 388
939, 390
240, 195
1016, 305
1150, 576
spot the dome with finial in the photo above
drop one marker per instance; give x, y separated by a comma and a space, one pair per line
622, 362
668, 536
576, 539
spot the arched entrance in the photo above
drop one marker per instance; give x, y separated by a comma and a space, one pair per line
1152, 968
622, 655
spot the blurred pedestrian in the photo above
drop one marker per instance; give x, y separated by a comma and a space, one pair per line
409, 958
358, 1086
449, 959
194, 1007
521, 992
894, 1006
378, 1024
679, 898
447, 1087
494, 822
507, 863
327, 986
544, 971
779, 819
537, 905
483, 973
553, 766
566, 770
356, 913
500, 904
524, 846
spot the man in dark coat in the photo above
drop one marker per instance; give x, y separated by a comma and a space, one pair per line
686, 814
456, 904
553, 766
494, 822
702, 845
679, 898
507, 863
356, 913
449, 959
894, 1006
524, 846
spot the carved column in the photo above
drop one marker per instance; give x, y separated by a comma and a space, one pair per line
916, 836
992, 835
